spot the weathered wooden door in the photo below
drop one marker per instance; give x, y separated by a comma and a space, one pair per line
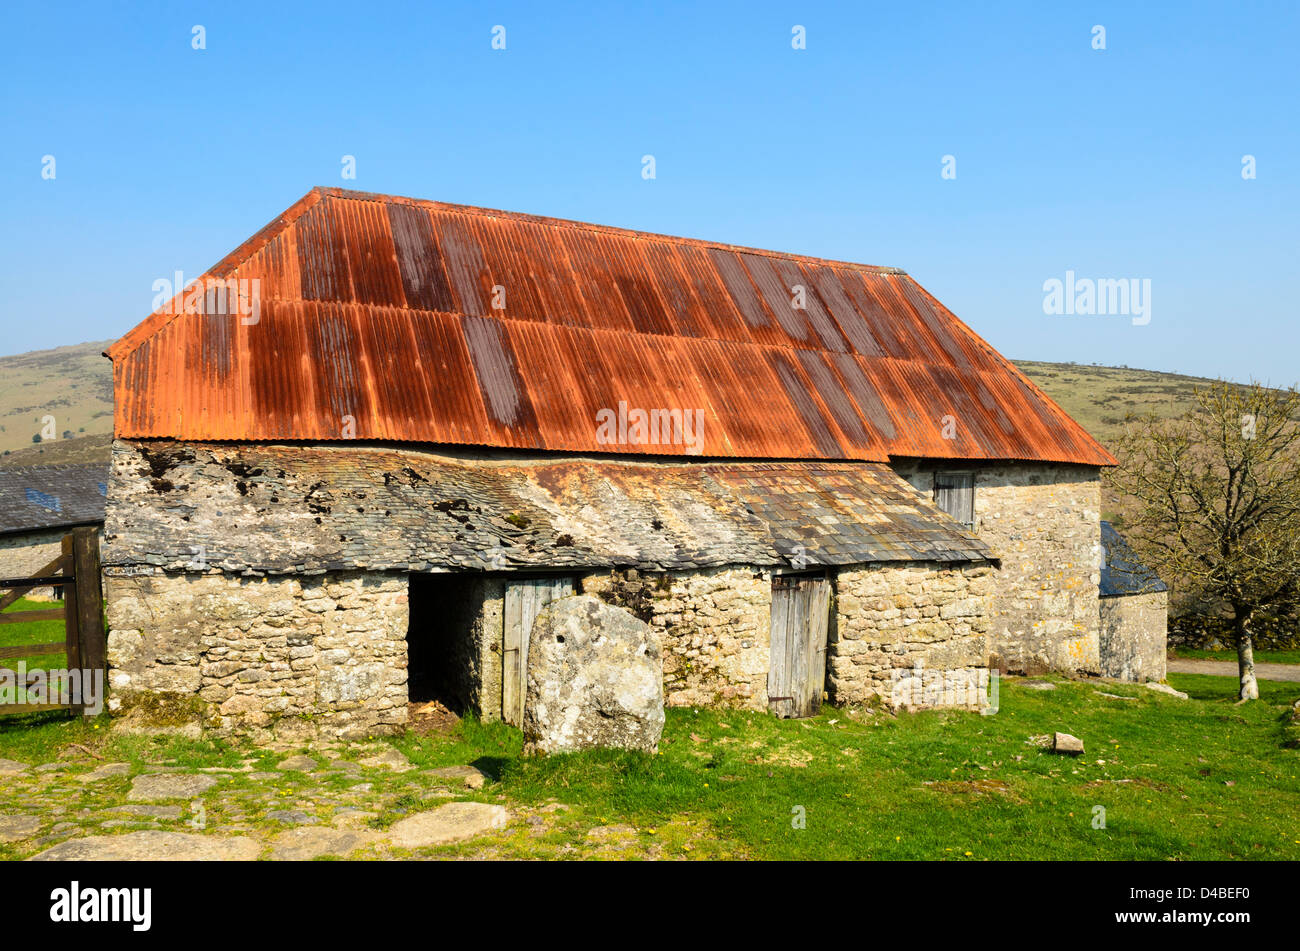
801, 610
524, 601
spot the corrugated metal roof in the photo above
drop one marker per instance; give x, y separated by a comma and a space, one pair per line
34, 498
434, 323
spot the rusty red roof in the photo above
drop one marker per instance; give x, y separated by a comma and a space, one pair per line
398, 320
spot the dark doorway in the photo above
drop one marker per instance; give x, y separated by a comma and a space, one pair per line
440, 642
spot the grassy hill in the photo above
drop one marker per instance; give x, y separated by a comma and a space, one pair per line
74, 385
71, 384
1100, 397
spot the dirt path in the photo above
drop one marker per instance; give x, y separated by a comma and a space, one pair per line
1228, 668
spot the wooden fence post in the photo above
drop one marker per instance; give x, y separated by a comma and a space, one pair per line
90, 599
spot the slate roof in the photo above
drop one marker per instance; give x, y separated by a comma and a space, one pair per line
33, 498
431, 323
302, 509
1121, 570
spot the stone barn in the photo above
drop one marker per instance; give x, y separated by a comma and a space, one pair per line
1134, 613
357, 457
38, 506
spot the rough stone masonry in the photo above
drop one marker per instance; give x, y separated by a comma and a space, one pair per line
260, 656
1043, 522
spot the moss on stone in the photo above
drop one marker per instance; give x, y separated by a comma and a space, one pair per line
164, 708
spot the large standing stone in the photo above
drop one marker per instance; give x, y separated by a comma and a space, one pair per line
595, 678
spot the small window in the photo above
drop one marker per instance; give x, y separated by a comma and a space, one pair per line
954, 492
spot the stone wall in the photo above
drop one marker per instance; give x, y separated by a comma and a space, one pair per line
1133, 636
24, 555
285, 656
910, 635
713, 626
1044, 523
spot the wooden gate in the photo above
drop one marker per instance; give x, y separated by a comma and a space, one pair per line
76, 570
524, 600
801, 609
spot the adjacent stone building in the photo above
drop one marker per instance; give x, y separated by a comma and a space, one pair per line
355, 461
1134, 613
38, 506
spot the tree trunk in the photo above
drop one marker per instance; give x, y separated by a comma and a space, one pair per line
1246, 660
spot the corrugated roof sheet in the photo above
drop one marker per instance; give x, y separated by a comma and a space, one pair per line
399, 320
33, 498
1122, 572
273, 509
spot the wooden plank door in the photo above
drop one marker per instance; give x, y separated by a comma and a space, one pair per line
800, 621
524, 600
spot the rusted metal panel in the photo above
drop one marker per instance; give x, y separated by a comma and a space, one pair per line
505, 393
425, 285
739, 287
463, 257
432, 323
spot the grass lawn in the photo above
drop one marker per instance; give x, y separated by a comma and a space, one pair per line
33, 632
1178, 779
1261, 656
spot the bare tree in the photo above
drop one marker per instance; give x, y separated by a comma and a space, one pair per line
1211, 500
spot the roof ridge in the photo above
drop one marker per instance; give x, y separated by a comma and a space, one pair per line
576, 225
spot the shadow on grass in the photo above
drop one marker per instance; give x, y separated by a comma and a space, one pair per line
1220, 688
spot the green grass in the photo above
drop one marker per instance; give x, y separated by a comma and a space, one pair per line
33, 632
1261, 657
941, 785
1201, 778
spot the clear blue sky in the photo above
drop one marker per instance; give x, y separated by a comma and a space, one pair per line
1122, 163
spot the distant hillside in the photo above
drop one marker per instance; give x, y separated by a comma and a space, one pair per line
74, 385
71, 384
1099, 398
